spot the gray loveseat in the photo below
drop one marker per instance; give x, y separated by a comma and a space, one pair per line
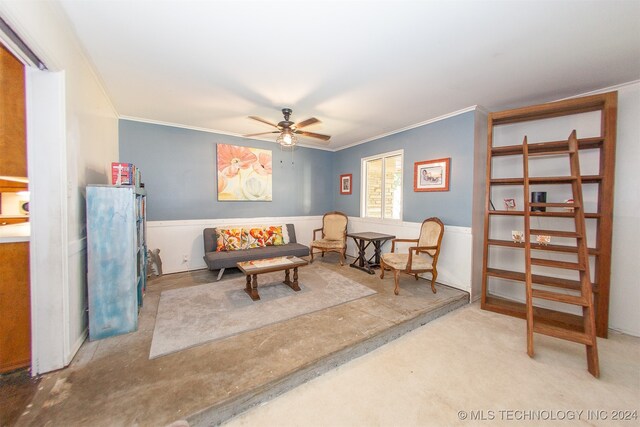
226, 259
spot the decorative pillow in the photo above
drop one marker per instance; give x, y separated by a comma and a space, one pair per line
220, 240
232, 238
255, 238
274, 235
285, 233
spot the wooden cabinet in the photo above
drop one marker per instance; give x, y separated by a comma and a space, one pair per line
503, 265
116, 258
15, 320
13, 144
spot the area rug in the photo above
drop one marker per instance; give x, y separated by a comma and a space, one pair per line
192, 316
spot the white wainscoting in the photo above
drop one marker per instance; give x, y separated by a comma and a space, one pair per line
175, 239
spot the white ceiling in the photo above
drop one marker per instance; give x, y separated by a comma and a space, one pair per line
364, 68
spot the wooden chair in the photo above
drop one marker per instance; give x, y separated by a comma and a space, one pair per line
420, 259
334, 235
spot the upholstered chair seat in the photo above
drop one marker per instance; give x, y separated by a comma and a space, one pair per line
334, 235
421, 258
399, 262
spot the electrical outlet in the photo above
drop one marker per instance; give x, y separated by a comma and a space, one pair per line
185, 258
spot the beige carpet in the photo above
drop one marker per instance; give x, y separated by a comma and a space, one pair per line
468, 368
195, 315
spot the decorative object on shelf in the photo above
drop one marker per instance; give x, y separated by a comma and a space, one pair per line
510, 204
517, 236
538, 197
543, 240
568, 209
244, 174
345, 184
431, 175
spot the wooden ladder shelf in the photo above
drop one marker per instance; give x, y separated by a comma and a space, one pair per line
585, 297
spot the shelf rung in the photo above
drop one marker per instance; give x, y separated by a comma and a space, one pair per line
564, 298
586, 179
539, 247
562, 333
551, 179
556, 282
556, 233
583, 143
540, 315
557, 264
549, 153
554, 205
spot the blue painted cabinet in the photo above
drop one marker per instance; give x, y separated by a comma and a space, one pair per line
116, 258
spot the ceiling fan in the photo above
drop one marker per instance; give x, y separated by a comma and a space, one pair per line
288, 129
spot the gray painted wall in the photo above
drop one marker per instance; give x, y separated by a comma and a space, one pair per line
179, 171
452, 137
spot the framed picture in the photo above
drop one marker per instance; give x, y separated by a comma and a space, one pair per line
345, 183
244, 173
431, 175
510, 204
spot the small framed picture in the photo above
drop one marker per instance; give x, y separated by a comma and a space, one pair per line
345, 183
510, 204
431, 175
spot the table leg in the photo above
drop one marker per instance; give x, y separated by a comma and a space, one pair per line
247, 288
253, 290
294, 285
361, 253
377, 244
286, 278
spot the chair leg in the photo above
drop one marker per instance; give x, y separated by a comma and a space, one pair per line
396, 278
434, 274
382, 266
416, 276
342, 258
311, 253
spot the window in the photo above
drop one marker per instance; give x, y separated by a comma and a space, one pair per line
382, 186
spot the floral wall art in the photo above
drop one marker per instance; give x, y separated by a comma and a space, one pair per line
244, 173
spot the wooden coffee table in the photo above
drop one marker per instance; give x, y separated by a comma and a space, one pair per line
251, 269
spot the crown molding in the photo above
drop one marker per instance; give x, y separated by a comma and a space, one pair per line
413, 126
207, 130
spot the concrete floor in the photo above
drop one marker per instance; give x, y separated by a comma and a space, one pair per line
112, 382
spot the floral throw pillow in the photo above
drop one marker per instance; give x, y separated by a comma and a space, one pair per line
232, 238
220, 240
255, 238
274, 236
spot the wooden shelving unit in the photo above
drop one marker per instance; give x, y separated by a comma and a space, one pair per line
600, 253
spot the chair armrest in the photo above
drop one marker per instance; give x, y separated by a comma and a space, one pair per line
393, 242
315, 231
421, 249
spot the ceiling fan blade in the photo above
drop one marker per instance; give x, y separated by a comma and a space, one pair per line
261, 133
260, 119
313, 135
307, 122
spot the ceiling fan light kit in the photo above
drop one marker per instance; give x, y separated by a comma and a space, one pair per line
288, 129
